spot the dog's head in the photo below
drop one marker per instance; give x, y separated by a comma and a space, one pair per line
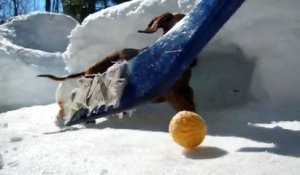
165, 21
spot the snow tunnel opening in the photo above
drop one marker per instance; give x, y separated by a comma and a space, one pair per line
224, 77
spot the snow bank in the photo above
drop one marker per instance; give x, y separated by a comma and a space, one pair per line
19, 64
269, 38
40, 31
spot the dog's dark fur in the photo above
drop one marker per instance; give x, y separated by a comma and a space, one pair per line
180, 96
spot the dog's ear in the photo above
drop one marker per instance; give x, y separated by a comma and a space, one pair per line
157, 23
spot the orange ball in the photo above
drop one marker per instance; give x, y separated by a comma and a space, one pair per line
187, 129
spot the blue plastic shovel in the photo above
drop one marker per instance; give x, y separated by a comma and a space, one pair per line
155, 70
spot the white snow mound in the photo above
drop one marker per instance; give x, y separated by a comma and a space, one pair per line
23, 42
40, 30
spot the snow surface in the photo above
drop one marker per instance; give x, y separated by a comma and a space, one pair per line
31, 45
32, 144
246, 86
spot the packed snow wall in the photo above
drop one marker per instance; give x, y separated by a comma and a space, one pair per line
254, 58
31, 45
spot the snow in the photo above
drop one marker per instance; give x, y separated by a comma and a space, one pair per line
246, 88
31, 45
124, 149
26, 31
288, 125
135, 145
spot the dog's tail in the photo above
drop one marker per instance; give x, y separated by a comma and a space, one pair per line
55, 78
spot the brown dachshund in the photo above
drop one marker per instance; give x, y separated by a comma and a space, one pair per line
180, 95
